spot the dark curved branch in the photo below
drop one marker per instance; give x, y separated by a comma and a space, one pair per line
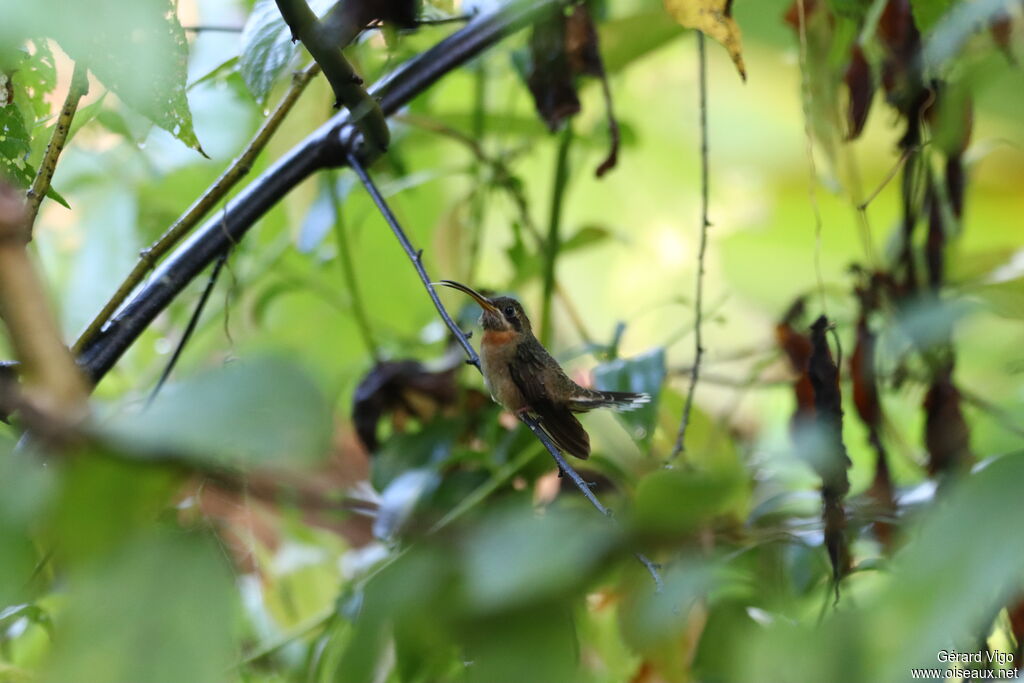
325, 147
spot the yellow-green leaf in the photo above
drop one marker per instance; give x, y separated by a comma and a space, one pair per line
714, 18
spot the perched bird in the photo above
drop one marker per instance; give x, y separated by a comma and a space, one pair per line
523, 377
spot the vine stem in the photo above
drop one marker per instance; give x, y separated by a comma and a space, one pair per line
554, 241
190, 328
473, 359
698, 313
812, 185
201, 207
348, 272
48, 166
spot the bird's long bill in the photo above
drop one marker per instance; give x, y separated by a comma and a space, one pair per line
484, 302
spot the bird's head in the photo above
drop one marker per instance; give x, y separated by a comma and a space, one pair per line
500, 314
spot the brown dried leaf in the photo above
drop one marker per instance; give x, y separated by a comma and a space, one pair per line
714, 19
861, 85
401, 387
832, 469
797, 348
562, 50
551, 80
946, 434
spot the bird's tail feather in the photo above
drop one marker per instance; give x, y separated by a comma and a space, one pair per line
617, 400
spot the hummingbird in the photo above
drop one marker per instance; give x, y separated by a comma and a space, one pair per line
523, 377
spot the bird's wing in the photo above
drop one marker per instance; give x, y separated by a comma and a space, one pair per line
531, 367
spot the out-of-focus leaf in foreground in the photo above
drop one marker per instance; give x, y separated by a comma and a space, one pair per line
960, 564
137, 49
264, 412
160, 610
517, 557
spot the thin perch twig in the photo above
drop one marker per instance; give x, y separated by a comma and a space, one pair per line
190, 328
41, 185
202, 206
698, 304
473, 359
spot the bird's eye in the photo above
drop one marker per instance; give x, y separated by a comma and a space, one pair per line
510, 312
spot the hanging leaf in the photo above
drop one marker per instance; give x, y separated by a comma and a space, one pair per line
861, 85
264, 412
946, 434
138, 50
561, 50
714, 19
927, 13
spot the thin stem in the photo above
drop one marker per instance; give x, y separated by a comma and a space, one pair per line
48, 166
698, 305
862, 206
341, 236
554, 226
189, 329
806, 101
202, 206
478, 201
472, 357
416, 256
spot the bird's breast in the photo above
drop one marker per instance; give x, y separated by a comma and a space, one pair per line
497, 351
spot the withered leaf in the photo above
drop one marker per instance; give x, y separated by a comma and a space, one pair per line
562, 50
1001, 29
946, 434
797, 347
861, 85
869, 407
935, 246
550, 79
398, 386
901, 42
714, 19
832, 467
828, 401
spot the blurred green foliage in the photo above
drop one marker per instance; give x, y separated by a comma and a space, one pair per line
235, 530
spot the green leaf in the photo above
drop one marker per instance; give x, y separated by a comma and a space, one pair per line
160, 610
15, 144
551, 555
538, 644
267, 47
629, 38
674, 502
261, 412
642, 374
137, 49
1005, 298
586, 236
25, 489
927, 13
